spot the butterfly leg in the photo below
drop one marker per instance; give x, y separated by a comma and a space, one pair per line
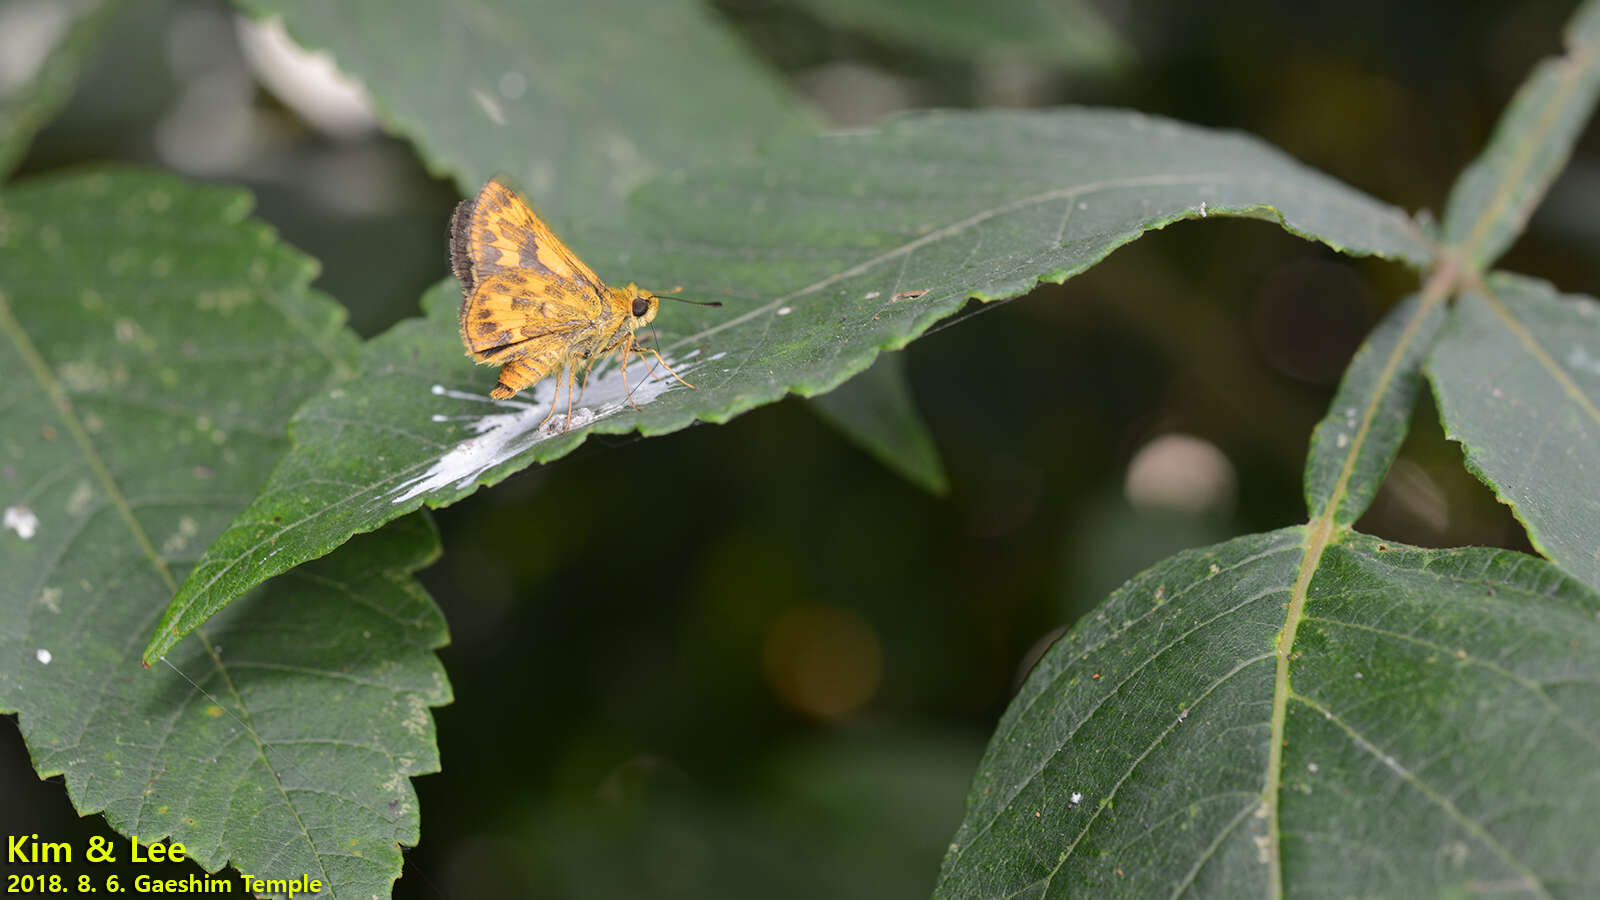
554, 396
572, 384
652, 369
583, 386
588, 365
651, 351
628, 346
636, 346
559, 370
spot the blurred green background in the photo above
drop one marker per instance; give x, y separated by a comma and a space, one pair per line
747, 660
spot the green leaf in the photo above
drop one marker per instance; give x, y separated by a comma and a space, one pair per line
153, 342
1357, 440
1516, 373
1438, 733
1494, 197
62, 34
824, 253
1068, 32
875, 411
576, 102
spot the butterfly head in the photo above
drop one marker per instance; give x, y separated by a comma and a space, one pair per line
642, 305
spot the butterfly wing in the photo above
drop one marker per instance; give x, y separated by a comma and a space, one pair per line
527, 324
497, 231
529, 305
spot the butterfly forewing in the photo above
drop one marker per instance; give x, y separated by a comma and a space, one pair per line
497, 231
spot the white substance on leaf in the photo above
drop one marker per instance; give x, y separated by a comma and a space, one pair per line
1579, 359
581, 416
785, 310
516, 425
21, 520
43, 656
717, 356
490, 107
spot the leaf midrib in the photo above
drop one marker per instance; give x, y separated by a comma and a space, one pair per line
80, 435
1536, 350
1322, 531
1575, 61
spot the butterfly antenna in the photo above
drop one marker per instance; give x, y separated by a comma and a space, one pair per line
697, 302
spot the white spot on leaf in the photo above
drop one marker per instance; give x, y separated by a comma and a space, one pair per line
513, 85
1580, 359
79, 501
490, 107
180, 538
43, 656
20, 519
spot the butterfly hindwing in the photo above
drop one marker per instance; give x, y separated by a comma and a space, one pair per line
516, 311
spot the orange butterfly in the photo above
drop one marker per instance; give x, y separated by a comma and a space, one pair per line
529, 305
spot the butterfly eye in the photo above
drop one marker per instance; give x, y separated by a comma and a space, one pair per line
640, 307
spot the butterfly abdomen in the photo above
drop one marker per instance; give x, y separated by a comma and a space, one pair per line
525, 372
